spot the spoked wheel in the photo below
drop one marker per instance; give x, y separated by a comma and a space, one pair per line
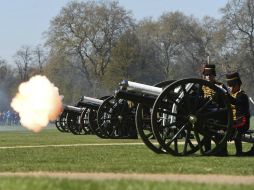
92, 118
61, 122
116, 119
58, 126
73, 120
73, 123
143, 124
84, 122
183, 120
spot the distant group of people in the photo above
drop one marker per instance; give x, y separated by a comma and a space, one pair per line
239, 105
9, 118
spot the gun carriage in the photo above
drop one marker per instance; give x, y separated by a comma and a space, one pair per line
106, 117
144, 96
75, 118
180, 117
172, 117
116, 118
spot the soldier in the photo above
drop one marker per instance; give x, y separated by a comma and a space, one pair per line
240, 109
209, 74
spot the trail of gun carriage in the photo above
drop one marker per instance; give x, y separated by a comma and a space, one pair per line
118, 103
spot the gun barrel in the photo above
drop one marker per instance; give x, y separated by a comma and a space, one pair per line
92, 100
72, 108
138, 87
136, 97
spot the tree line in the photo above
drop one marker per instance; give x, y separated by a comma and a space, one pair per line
91, 46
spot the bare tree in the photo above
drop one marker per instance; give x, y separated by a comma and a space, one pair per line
150, 70
168, 41
181, 44
3, 68
88, 30
7, 84
23, 60
239, 19
39, 57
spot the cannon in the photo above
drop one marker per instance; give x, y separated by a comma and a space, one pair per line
180, 118
106, 117
75, 118
90, 113
144, 96
116, 119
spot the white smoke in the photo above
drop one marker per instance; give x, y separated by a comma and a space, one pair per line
37, 102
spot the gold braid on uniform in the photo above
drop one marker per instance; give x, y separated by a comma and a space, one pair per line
233, 106
208, 92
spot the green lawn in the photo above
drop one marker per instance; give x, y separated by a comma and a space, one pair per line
116, 158
57, 184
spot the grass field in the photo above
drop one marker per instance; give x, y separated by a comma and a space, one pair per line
24, 151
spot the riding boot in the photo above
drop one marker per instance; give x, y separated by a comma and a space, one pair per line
238, 146
223, 151
207, 143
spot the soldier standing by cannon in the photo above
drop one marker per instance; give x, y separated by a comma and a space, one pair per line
209, 75
240, 109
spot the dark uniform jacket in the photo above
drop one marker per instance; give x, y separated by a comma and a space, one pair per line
240, 110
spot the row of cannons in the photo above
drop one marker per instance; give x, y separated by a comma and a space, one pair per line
171, 117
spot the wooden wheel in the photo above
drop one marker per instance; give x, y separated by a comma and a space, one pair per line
84, 121
183, 120
61, 122
73, 120
73, 123
92, 118
143, 124
116, 119
58, 126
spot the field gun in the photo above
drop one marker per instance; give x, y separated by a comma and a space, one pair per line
109, 117
105, 117
144, 96
76, 118
172, 117
179, 117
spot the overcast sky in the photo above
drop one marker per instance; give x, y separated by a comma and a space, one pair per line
24, 21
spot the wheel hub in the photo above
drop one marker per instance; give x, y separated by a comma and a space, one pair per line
120, 118
192, 119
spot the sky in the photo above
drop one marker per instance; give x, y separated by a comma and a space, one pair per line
24, 21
